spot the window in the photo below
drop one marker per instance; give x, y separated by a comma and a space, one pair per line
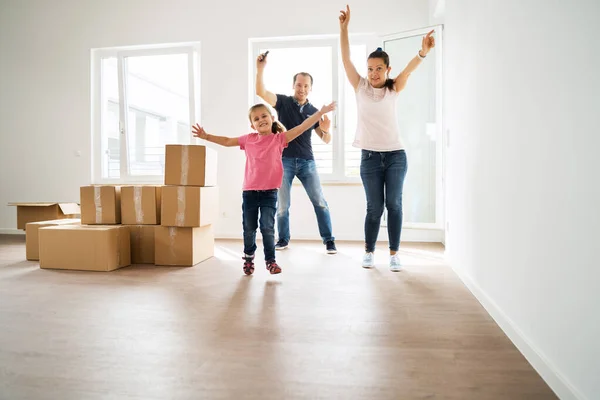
338, 160
283, 64
143, 99
419, 114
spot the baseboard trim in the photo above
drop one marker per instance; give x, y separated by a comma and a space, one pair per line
12, 232
548, 371
408, 235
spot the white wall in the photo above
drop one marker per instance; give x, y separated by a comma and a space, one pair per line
522, 89
523, 188
45, 87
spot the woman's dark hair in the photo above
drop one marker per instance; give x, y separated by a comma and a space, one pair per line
379, 53
277, 126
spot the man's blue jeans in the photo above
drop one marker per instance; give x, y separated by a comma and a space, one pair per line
306, 171
383, 174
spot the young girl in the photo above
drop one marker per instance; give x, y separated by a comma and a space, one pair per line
262, 177
383, 159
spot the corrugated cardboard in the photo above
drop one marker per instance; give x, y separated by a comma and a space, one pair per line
140, 205
100, 205
142, 243
189, 206
32, 244
35, 212
85, 247
190, 165
183, 246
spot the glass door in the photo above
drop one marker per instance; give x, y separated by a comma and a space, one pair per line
419, 113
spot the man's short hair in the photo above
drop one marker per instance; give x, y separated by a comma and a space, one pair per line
304, 74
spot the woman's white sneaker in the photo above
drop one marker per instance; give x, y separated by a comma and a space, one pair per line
395, 265
368, 260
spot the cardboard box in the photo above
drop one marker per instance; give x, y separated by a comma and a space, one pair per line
140, 205
183, 246
190, 165
100, 205
85, 247
189, 206
32, 244
35, 212
142, 243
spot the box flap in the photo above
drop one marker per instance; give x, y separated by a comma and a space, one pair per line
30, 204
73, 227
64, 221
70, 208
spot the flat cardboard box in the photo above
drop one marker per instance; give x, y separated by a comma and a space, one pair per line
35, 212
183, 246
100, 205
32, 244
85, 247
190, 165
189, 206
140, 205
142, 243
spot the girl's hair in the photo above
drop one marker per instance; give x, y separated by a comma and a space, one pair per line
379, 53
277, 126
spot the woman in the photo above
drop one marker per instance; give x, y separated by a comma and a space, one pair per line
383, 162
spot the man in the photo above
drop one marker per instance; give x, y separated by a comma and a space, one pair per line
298, 159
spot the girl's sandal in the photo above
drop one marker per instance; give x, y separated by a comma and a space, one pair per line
273, 267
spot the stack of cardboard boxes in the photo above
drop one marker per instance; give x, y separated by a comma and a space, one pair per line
142, 224
140, 211
190, 205
99, 243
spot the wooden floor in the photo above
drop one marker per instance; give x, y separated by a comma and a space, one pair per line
323, 329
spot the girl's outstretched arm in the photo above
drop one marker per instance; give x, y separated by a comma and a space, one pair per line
199, 132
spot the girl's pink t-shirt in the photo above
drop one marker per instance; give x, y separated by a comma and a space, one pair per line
264, 169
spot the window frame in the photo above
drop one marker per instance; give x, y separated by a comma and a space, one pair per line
338, 175
192, 50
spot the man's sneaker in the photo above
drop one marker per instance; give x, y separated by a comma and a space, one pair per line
281, 245
331, 247
368, 260
248, 264
273, 267
395, 265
